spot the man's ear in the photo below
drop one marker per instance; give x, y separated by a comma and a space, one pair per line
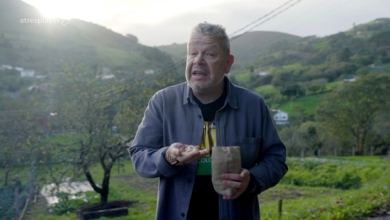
229, 63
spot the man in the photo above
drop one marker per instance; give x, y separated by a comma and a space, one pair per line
206, 111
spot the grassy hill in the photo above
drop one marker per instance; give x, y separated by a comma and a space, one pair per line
315, 65
46, 47
303, 105
245, 48
177, 51
370, 29
249, 46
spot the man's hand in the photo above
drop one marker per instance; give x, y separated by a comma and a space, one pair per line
239, 181
178, 151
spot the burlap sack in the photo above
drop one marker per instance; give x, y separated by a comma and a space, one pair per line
224, 160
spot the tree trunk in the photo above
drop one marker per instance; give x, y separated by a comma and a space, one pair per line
17, 192
359, 147
105, 186
6, 177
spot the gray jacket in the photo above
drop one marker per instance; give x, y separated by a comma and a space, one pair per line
173, 116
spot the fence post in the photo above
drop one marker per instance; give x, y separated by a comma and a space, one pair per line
17, 189
353, 151
280, 208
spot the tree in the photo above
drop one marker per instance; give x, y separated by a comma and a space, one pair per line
292, 90
103, 114
132, 39
342, 56
352, 109
363, 57
311, 136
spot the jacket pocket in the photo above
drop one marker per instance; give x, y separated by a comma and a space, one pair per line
250, 148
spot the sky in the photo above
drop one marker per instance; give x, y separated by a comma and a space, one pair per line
163, 22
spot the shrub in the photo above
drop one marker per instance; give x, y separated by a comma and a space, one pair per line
315, 173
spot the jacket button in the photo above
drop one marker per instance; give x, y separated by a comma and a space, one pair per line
189, 180
199, 116
182, 215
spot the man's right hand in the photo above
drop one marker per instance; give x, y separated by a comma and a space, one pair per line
178, 151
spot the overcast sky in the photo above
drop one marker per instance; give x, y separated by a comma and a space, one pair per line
162, 22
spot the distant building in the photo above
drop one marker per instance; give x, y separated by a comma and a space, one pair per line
149, 71
27, 73
262, 73
108, 76
20, 69
281, 117
350, 79
9, 67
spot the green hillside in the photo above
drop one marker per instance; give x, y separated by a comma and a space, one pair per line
177, 51
266, 89
370, 29
245, 48
303, 105
251, 45
47, 47
301, 72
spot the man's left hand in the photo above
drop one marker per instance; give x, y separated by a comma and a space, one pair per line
239, 181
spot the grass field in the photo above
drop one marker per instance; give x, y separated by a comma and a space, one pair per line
332, 85
305, 105
266, 89
243, 77
321, 45
299, 202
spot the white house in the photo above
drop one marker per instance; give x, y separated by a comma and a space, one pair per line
108, 76
262, 73
27, 73
281, 118
4, 66
350, 80
149, 71
20, 69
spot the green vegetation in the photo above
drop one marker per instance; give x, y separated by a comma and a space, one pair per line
321, 45
46, 48
77, 124
242, 77
346, 204
266, 89
303, 105
294, 66
299, 202
332, 85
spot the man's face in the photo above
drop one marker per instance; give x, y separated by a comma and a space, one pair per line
207, 64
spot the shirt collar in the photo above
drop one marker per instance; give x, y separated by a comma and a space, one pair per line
231, 97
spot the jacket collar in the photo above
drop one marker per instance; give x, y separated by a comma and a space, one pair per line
231, 97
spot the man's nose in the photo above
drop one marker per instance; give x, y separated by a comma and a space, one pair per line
199, 59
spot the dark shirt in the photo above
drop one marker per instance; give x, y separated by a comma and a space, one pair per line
204, 199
